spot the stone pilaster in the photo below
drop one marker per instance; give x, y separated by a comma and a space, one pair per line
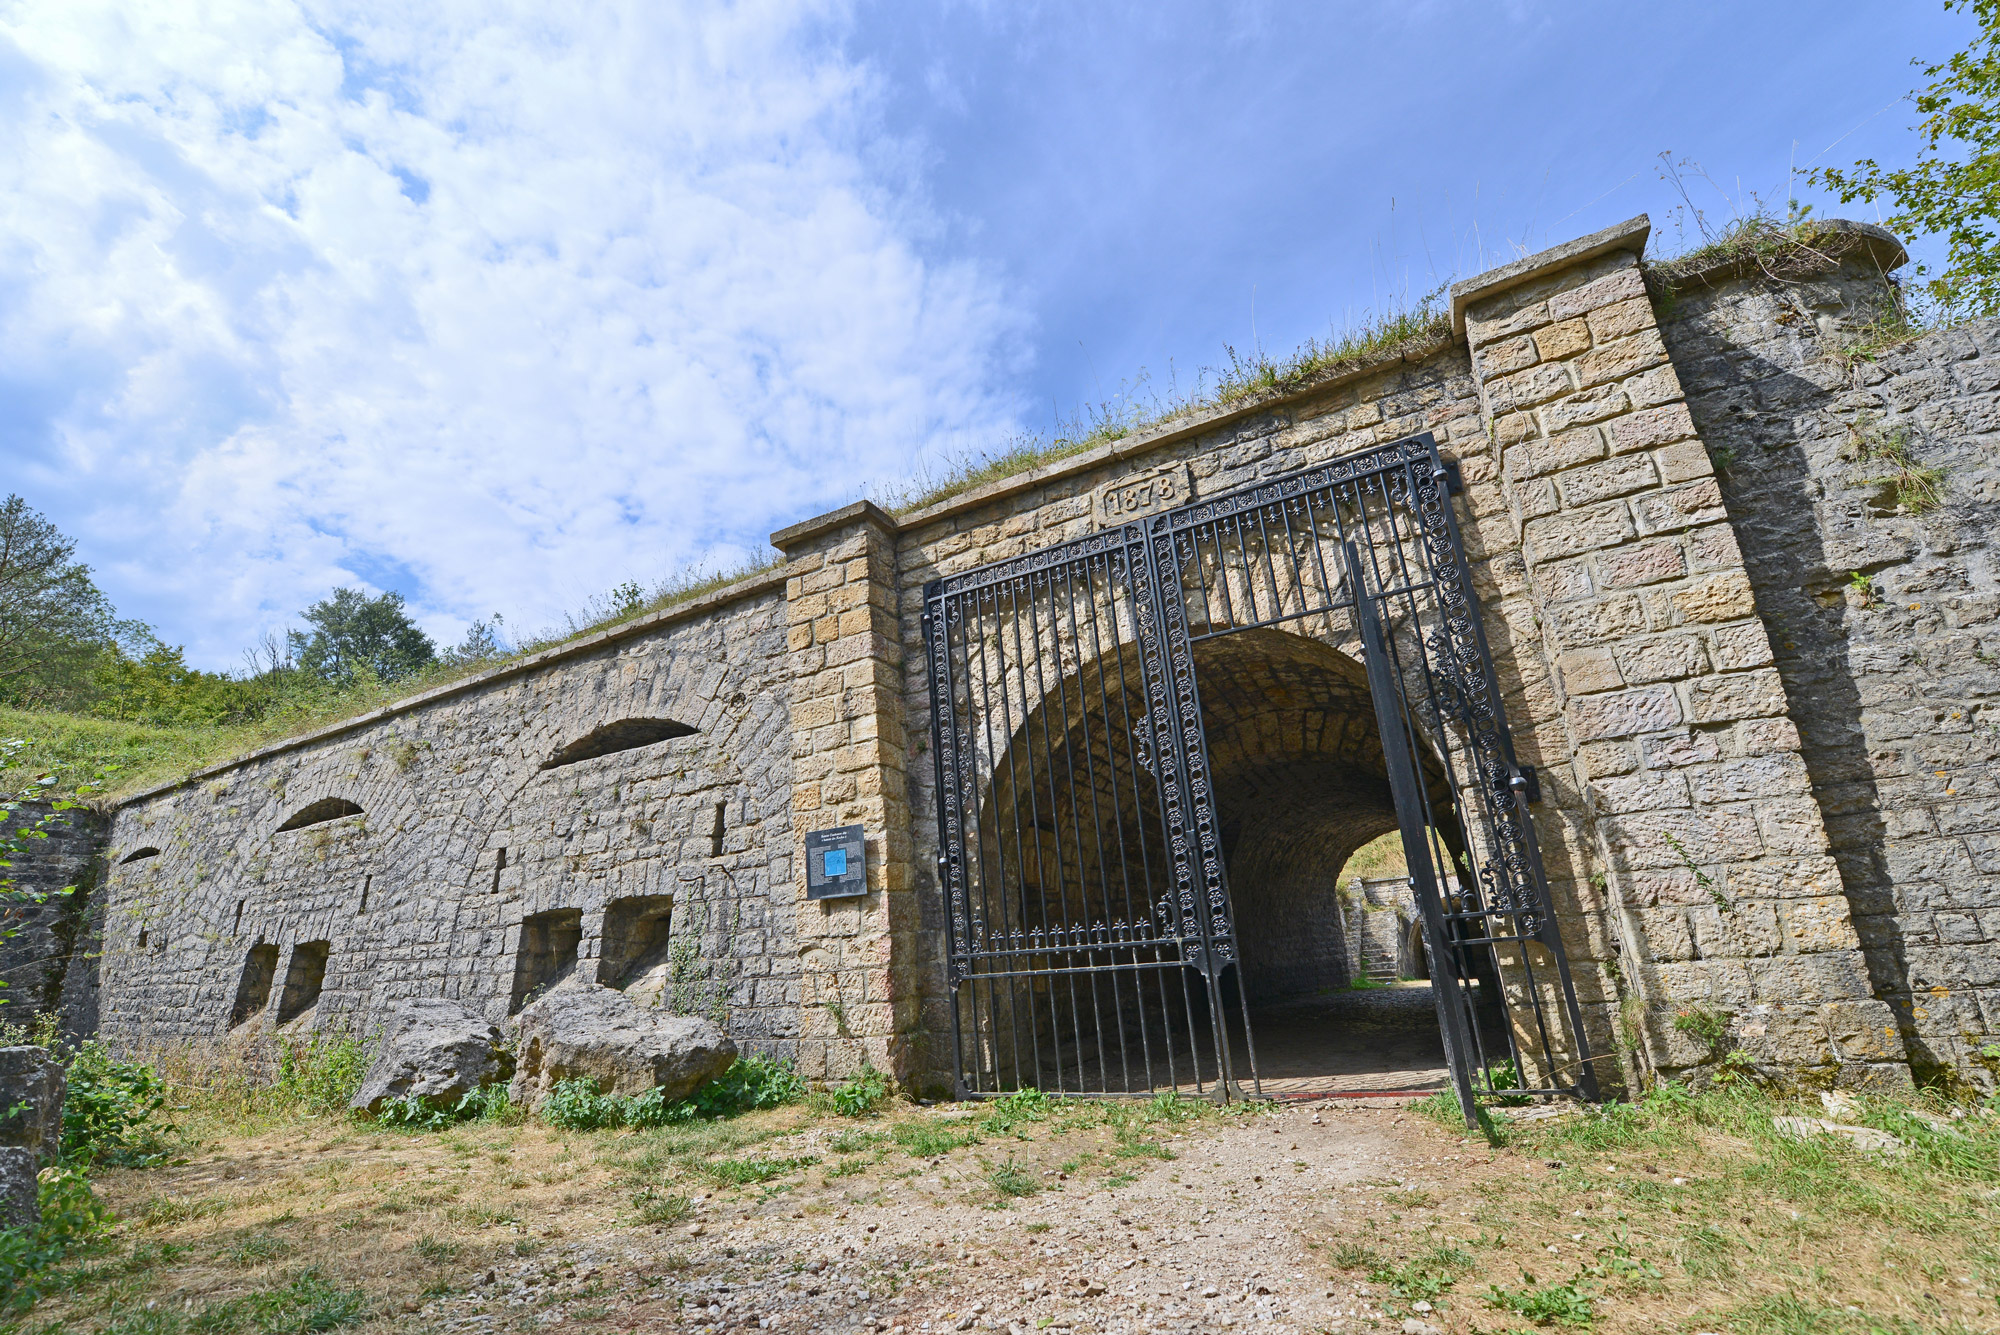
1678, 805
858, 996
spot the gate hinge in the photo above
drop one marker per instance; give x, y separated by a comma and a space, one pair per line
1527, 783
1448, 471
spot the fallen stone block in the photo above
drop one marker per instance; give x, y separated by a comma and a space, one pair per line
433, 1050
582, 1030
1862, 1137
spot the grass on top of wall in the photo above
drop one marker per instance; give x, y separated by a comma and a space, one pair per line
1139, 408
56, 754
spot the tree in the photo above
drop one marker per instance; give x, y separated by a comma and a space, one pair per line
353, 633
1953, 189
480, 645
54, 622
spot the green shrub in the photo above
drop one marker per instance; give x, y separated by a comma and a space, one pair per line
108, 1111
575, 1105
749, 1083
867, 1091
1502, 1075
321, 1073
72, 1219
487, 1104
1026, 1105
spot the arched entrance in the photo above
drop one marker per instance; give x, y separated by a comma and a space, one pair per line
1154, 753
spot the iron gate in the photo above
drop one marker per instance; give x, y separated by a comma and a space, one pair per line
1090, 943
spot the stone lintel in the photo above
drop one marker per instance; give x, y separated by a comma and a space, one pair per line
1629, 235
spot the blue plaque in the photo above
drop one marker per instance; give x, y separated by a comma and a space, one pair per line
836, 863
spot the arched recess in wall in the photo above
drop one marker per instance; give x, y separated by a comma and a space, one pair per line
622, 735
139, 855
317, 813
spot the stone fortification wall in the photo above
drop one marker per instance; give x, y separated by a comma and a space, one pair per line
635, 805
1682, 823
1883, 603
37, 962
1380, 917
620, 806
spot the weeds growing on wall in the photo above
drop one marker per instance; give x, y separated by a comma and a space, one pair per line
1884, 450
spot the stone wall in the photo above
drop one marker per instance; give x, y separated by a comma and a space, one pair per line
1716, 816
482, 841
1883, 602
1683, 820
61, 869
1379, 918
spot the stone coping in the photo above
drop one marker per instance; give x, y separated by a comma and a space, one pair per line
1629, 235
862, 511
1883, 246
763, 580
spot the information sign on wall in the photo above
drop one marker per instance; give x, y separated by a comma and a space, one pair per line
836, 863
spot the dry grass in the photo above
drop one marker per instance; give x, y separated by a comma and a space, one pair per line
1378, 858
1680, 1216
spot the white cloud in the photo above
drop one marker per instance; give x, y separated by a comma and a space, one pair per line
516, 301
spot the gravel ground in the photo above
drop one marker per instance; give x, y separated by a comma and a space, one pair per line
1221, 1237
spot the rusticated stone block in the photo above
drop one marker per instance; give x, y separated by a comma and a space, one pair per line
1737, 695
1624, 714
1578, 531
1651, 428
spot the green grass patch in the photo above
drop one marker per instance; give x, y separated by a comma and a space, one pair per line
745, 1172
1559, 1303
1013, 1180
928, 1140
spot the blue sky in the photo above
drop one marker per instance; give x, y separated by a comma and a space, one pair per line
498, 305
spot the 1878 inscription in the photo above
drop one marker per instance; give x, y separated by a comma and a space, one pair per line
1130, 498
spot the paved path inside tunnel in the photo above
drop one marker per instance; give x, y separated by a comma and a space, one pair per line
1351, 1041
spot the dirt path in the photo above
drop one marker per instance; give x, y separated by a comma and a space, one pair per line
1222, 1236
1345, 1216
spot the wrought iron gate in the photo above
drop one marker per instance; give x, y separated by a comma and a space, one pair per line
1090, 944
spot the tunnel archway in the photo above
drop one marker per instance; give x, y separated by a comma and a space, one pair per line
1070, 822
